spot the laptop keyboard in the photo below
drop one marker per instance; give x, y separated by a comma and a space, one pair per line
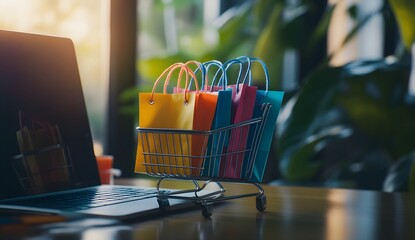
88, 198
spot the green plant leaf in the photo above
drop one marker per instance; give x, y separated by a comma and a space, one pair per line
404, 11
306, 109
295, 164
320, 32
398, 177
270, 49
302, 161
263, 9
367, 96
233, 31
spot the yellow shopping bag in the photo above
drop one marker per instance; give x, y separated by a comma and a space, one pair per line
161, 153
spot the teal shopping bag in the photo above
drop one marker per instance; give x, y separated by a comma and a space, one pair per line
253, 170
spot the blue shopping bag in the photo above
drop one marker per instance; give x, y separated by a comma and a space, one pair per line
222, 118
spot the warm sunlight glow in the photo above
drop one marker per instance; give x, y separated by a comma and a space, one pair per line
337, 222
87, 24
341, 215
367, 43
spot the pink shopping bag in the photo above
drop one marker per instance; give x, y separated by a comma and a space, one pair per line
243, 102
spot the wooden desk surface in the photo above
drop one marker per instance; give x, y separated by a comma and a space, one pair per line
292, 213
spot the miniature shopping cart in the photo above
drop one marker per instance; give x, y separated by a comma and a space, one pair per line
204, 156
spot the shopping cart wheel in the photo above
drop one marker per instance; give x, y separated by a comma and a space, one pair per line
261, 203
207, 210
163, 202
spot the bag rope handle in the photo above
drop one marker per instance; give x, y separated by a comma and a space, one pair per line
229, 63
169, 71
265, 69
199, 66
223, 78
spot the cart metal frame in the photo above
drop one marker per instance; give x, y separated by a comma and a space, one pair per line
196, 156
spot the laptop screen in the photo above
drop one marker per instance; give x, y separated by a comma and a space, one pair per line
45, 140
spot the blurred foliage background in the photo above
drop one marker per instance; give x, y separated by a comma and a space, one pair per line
349, 125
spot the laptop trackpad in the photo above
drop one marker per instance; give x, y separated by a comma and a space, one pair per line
137, 208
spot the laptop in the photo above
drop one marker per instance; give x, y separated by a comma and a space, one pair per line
47, 162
